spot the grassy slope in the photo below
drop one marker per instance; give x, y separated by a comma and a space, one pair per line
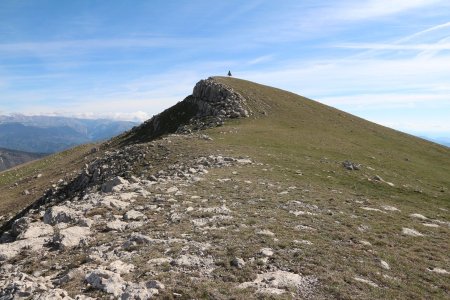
297, 126
13, 182
301, 134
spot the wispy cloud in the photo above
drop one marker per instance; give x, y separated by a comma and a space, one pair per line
436, 37
260, 59
416, 47
362, 10
92, 44
429, 53
433, 35
369, 87
302, 21
386, 100
424, 32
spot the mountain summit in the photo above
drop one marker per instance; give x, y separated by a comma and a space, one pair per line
238, 191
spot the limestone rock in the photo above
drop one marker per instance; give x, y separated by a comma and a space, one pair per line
155, 284
223, 210
36, 229
411, 232
133, 215
238, 263
351, 165
418, 216
159, 261
189, 260
265, 232
137, 239
384, 265
20, 225
9, 250
54, 294
267, 252
277, 282
108, 186
138, 291
172, 190
19, 285
68, 276
113, 202
390, 208
106, 281
439, 271
71, 237
112, 283
116, 225
62, 214
379, 179
366, 281
120, 267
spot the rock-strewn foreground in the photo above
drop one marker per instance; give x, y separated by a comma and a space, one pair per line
122, 234
197, 209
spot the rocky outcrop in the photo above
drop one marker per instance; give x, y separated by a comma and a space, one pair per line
210, 104
112, 283
71, 237
216, 99
109, 186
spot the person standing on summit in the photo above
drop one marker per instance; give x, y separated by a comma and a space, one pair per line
229, 73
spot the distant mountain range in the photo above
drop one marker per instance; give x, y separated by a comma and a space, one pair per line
49, 134
11, 158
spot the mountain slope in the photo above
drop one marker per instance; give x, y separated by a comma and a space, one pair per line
10, 158
260, 207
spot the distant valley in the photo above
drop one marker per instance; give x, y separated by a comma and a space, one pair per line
49, 134
11, 158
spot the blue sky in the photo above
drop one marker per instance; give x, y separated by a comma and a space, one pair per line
387, 61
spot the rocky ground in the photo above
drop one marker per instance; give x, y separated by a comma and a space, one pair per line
122, 238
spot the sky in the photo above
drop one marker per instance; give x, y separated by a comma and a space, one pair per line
387, 61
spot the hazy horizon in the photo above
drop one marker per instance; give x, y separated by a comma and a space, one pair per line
440, 138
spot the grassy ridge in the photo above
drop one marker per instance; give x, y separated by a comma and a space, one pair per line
297, 127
